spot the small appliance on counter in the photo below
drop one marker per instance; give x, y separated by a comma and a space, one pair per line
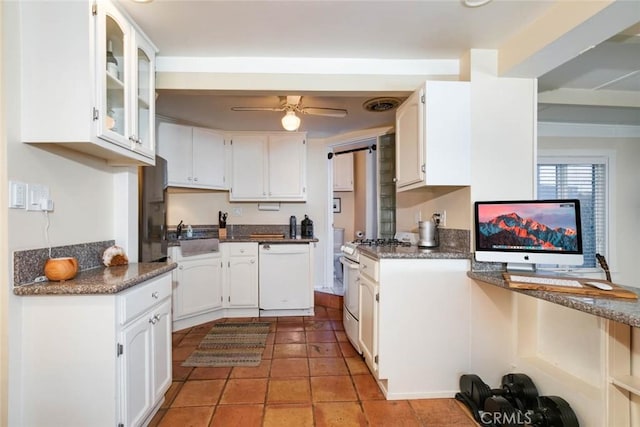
306, 226
428, 232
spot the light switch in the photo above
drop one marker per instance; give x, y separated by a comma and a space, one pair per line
17, 195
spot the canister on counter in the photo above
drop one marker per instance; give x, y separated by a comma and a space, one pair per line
306, 226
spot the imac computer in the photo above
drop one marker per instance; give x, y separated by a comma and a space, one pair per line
528, 232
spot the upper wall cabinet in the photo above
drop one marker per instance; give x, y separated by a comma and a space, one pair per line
195, 156
433, 137
343, 172
88, 80
268, 167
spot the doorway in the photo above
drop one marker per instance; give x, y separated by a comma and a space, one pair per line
362, 197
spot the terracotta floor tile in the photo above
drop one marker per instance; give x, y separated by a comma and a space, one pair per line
317, 325
320, 314
290, 327
440, 411
217, 373
176, 338
181, 353
290, 319
289, 367
389, 413
356, 365
367, 387
271, 338
192, 340
327, 366
157, 418
243, 390
268, 352
339, 414
337, 325
237, 416
290, 337
171, 394
288, 416
288, 390
320, 336
198, 416
260, 371
180, 373
334, 314
203, 328
341, 336
289, 350
332, 389
347, 349
323, 349
199, 393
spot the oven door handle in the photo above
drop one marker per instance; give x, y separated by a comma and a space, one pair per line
348, 263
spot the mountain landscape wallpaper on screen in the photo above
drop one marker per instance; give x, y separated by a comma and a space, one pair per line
510, 231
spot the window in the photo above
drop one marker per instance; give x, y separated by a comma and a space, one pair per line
584, 179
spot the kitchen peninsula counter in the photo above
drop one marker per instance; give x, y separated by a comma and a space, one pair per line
413, 252
617, 309
99, 280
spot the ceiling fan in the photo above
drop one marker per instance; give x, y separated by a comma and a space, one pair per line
292, 105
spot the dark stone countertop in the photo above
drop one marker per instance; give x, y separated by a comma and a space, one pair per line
241, 239
413, 252
99, 280
618, 309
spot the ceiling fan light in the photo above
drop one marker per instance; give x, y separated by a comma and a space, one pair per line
290, 121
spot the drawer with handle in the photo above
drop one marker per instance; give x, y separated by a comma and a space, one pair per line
139, 299
369, 267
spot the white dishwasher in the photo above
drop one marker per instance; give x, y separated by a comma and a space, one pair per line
284, 276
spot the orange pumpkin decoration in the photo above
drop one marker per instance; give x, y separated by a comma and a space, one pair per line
58, 269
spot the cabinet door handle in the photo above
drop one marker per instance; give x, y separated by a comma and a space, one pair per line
155, 295
153, 320
195, 179
253, 261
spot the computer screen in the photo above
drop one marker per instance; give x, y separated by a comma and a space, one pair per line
528, 232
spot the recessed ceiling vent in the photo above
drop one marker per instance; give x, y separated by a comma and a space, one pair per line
380, 105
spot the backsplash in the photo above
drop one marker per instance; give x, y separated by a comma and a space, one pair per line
29, 264
211, 231
454, 238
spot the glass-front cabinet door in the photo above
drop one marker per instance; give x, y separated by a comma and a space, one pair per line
113, 75
143, 98
125, 83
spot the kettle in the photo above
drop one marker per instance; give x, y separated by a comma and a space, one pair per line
306, 226
292, 227
428, 234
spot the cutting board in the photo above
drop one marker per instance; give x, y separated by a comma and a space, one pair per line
586, 290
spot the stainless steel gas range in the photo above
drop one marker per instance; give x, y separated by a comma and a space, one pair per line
350, 259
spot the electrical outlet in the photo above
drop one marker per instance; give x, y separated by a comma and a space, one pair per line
237, 211
441, 218
36, 193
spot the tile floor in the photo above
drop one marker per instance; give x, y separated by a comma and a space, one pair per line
310, 375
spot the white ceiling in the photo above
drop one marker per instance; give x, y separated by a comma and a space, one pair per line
392, 29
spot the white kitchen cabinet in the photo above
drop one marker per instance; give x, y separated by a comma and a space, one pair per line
197, 284
96, 360
415, 325
195, 156
368, 324
433, 136
241, 279
268, 167
343, 172
69, 97
285, 284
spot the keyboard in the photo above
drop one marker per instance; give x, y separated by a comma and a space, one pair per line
545, 281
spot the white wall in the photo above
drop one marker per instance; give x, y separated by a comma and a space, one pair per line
83, 189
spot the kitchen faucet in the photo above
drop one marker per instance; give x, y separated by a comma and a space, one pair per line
179, 230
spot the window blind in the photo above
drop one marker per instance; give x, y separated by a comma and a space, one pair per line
585, 181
